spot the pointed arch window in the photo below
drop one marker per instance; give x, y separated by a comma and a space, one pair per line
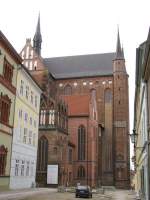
52, 115
108, 96
42, 117
81, 143
81, 172
42, 154
67, 90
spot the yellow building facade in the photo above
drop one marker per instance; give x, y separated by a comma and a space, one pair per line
25, 133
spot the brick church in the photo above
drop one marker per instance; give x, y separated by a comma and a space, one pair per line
84, 116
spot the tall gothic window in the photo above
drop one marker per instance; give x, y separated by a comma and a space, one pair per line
108, 96
52, 115
42, 117
108, 136
81, 143
67, 90
81, 172
3, 159
42, 154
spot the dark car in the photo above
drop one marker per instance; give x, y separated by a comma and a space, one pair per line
83, 191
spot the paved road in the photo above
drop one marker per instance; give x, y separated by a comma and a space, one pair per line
52, 194
21, 194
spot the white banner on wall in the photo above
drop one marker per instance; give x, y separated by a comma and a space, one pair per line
52, 174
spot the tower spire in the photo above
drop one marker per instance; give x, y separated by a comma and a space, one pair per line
37, 40
148, 37
119, 52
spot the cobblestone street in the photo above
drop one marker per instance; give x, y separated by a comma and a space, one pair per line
118, 195
51, 194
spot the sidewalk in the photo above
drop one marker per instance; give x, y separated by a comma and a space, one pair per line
22, 193
122, 194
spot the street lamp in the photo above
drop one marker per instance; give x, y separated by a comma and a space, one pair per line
134, 136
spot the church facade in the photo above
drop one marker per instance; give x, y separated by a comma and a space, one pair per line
89, 99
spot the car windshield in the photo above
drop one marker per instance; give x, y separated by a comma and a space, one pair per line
82, 187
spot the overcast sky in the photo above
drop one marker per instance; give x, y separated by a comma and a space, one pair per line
73, 27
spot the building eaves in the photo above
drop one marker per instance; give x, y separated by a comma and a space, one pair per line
10, 48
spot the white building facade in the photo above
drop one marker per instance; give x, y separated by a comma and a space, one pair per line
141, 144
25, 132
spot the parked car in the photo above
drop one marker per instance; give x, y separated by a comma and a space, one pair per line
83, 191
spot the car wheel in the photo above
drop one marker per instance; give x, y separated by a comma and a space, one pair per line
76, 196
91, 195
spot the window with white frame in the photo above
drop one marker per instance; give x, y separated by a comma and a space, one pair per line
35, 101
27, 92
34, 139
31, 97
30, 120
22, 167
25, 136
30, 137
27, 168
21, 87
26, 117
17, 168
20, 113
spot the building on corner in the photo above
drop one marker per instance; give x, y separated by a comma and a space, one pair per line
10, 61
142, 120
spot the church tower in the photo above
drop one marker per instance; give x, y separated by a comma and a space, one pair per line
37, 40
121, 119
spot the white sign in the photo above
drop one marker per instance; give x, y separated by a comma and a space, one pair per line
52, 174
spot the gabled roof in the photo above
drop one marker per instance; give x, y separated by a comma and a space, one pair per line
10, 48
78, 105
81, 65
